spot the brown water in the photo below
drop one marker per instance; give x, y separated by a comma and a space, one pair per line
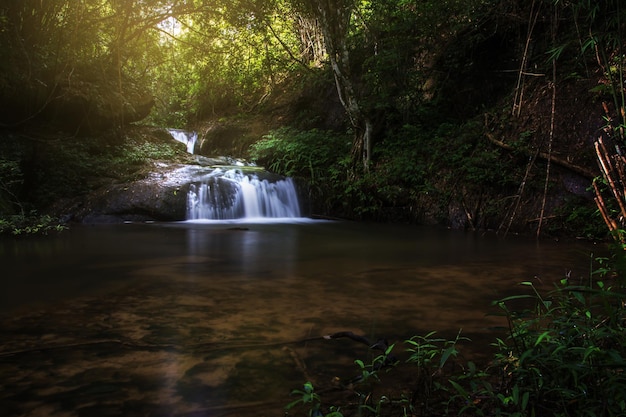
193, 319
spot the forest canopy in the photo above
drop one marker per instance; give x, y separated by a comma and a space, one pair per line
199, 58
190, 56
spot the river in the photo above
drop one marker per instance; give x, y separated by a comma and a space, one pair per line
226, 318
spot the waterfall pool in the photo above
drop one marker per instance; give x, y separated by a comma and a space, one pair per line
226, 318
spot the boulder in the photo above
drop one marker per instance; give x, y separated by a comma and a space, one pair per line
160, 196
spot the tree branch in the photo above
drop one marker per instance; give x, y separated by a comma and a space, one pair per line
561, 162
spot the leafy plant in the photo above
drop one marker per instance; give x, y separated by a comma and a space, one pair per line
430, 354
565, 356
138, 153
11, 180
292, 152
311, 400
29, 224
371, 370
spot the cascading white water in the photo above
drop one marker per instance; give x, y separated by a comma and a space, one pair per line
188, 138
234, 195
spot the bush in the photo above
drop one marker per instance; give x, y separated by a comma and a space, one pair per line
29, 224
311, 154
567, 355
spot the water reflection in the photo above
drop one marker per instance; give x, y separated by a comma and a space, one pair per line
209, 318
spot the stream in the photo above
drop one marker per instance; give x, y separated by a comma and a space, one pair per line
226, 318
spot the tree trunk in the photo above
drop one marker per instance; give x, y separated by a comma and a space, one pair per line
334, 17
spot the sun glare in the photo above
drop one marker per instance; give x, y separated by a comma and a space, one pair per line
171, 26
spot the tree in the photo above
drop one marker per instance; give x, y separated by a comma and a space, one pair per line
335, 19
67, 61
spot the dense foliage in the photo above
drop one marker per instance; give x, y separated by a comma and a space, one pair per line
416, 85
37, 173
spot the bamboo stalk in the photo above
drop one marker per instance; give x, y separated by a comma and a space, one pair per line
550, 141
619, 167
617, 189
608, 170
519, 88
518, 197
612, 224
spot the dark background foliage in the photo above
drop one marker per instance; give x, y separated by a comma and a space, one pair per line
433, 112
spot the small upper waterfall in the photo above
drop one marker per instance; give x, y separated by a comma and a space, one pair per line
232, 194
188, 138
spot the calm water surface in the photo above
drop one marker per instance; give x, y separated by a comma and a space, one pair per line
217, 319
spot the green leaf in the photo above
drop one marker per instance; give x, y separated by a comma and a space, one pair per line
446, 354
516, 297
542, 336
459, 388
525, 398
293, 404
308, 387
555, 53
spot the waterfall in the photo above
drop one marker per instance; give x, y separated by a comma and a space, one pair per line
188, 138
232, 194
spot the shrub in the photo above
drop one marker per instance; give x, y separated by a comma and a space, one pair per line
294, 153
29, 224
567, 355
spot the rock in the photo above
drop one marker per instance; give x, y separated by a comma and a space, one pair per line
155, 198
160, 196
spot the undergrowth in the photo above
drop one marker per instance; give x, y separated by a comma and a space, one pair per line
35, 173
564, 355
